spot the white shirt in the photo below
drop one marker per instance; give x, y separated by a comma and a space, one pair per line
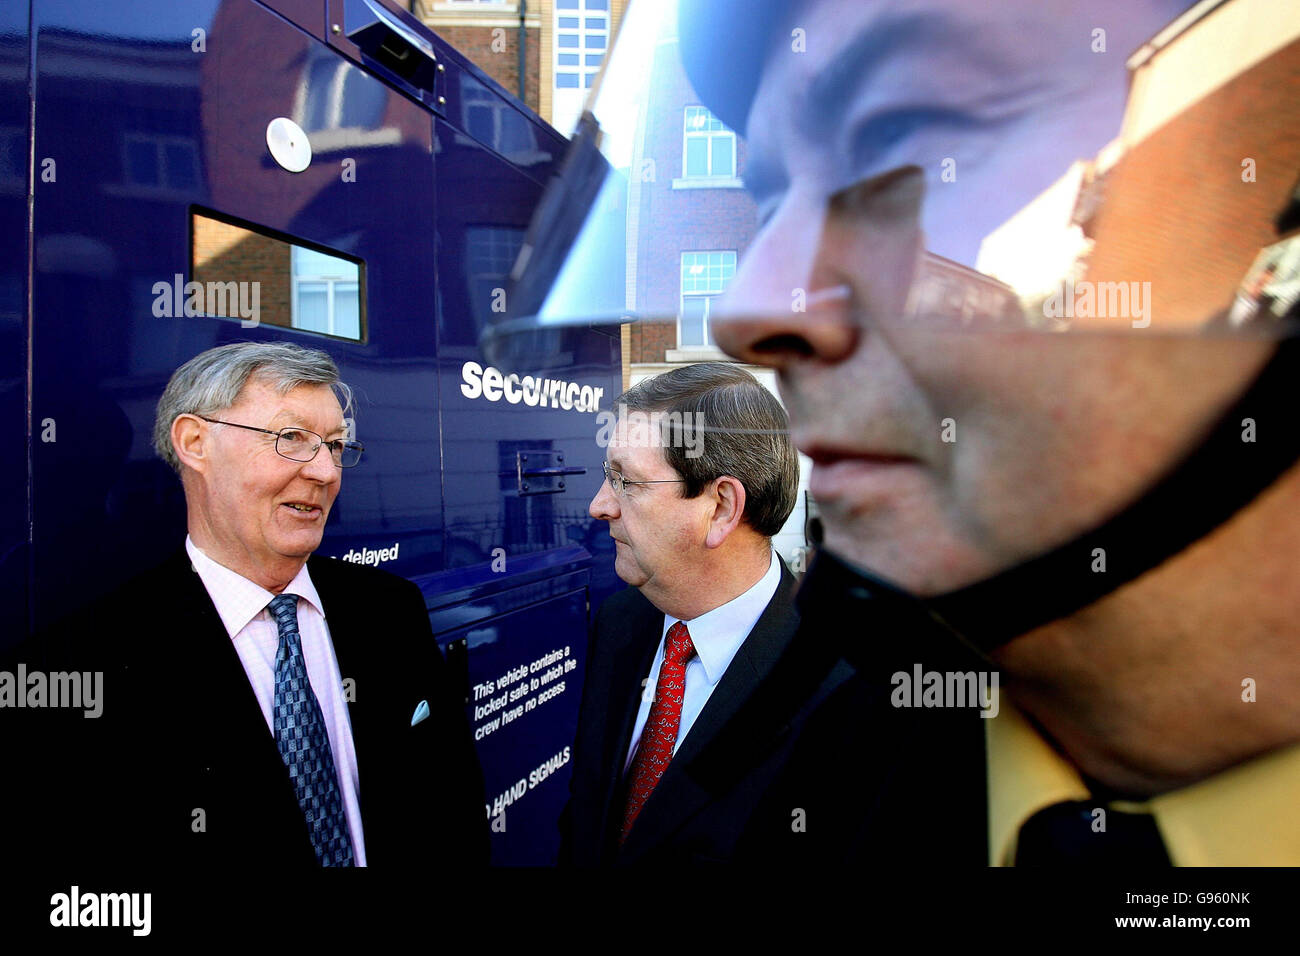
241, 605
717, 636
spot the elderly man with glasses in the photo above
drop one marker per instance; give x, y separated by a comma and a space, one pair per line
700, 475
264, 707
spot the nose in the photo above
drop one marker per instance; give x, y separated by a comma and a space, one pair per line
605, 505
321, 468
818, 266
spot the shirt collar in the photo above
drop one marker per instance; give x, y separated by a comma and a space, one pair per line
718, 634
237, 599
1025, 775
1243, 816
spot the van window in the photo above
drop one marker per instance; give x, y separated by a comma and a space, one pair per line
239, 271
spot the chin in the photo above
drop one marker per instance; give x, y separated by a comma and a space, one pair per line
632, 577
298, 548
925, 565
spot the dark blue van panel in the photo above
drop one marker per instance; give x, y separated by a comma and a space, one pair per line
14, 264
153, 113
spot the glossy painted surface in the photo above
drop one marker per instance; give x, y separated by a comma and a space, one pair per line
155, 109
14, 554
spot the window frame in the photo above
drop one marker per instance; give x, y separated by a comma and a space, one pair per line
682, 295
584, 71
363, 319
331, 283
708, 135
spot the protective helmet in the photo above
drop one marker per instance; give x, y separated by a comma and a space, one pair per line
1029, 272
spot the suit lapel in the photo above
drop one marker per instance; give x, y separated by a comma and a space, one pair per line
679, 794
631, 666
214, 661
235, 745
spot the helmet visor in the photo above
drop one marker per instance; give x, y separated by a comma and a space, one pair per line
936, 165
1012, 262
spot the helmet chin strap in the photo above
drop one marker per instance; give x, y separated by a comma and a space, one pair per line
1218, 479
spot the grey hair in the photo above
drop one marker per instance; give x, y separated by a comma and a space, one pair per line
213, 380
746, 436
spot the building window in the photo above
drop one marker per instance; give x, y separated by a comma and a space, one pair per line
160, 161
583, 40
708, 146
338, 96
325, 294
704, 277
497, 124
490, 253
245, 272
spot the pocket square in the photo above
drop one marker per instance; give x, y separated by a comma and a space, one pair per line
421, 712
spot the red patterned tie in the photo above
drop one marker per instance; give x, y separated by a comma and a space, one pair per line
660, 732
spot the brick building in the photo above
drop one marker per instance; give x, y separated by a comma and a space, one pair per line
689, 218
689, 222
565, 42
1238, 62
1192, 194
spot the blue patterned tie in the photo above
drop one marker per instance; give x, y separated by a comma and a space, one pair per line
304, 744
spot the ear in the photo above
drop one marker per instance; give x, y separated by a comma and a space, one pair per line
728, 496
190, 441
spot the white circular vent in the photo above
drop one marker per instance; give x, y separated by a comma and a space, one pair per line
288, 144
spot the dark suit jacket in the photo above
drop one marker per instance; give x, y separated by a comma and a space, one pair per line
686, 819
182, 731
863, 782
806, 764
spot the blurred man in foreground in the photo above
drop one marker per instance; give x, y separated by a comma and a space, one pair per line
996, 250
1092, 508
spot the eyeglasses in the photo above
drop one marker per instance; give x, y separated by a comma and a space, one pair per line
299, 444
617, 481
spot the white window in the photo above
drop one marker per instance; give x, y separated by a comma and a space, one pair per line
326, 291
704, 277
582, 29
708, 146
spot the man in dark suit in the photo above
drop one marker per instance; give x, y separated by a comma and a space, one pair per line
710, 611
263, 707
